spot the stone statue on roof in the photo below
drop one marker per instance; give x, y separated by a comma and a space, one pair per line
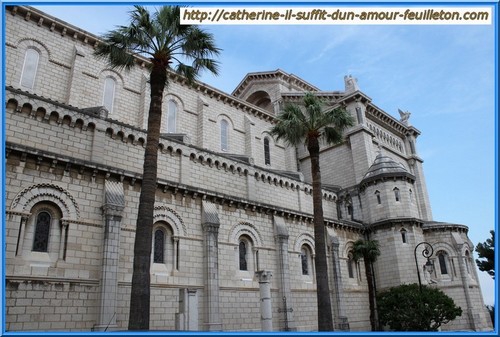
404, 116
351, 84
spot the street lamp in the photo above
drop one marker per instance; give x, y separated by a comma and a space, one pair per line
427, 253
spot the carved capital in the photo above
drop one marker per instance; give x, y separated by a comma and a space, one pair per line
110, 211
264, 276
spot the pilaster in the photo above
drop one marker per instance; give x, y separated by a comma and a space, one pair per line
75, 81
114, 203
341, 322
287, 322
210, 223
202, 124
249, 137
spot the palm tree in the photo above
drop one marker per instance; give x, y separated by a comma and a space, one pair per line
368, 250
316, 123
161, 38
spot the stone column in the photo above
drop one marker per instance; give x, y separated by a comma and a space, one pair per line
112, 211
175, 265
22, 229
287, 322
62, 239
266, 313
210, 223
341, 322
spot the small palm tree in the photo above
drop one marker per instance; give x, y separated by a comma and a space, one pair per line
166, 43
368, 250
309, 126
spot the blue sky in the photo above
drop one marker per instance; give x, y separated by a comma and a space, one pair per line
442, 74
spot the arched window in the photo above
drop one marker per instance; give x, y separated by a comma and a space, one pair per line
246, 254
442, 257
42, 232
350, 211
267, 153
159, 246
404, 238
350, 265
243, 255
411, 195
171, 116
43, 235
30, 66
467, 261
306, 260
165, 249
108, 96
377, 194
396, 194
224, 135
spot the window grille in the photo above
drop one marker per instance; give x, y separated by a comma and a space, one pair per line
243, 256
305, 263
42, 231
442, 263
159, 247
267, 153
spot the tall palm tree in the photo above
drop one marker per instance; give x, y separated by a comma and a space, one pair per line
161, 38
310, 125
368, 250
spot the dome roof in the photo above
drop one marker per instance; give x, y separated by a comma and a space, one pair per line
386, 167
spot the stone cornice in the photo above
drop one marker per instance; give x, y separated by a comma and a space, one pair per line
392, 221
273, 75
107, 172
55, 25
427, 226
392, 124
56, 280
431, 226
404, 176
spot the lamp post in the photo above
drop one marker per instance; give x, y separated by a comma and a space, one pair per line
427, 253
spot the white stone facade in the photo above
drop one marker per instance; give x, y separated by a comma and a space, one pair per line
76, 167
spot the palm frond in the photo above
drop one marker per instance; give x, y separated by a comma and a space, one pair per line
199, 43
291, 126
296, 124
366, 249
160, 37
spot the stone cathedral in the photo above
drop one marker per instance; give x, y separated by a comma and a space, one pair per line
233, 244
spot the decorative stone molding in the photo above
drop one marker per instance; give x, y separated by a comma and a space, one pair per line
162, 212
245, 228
30, 196
304, 238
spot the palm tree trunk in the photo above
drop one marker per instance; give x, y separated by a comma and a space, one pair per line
141, 278
325, 318
371, 294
